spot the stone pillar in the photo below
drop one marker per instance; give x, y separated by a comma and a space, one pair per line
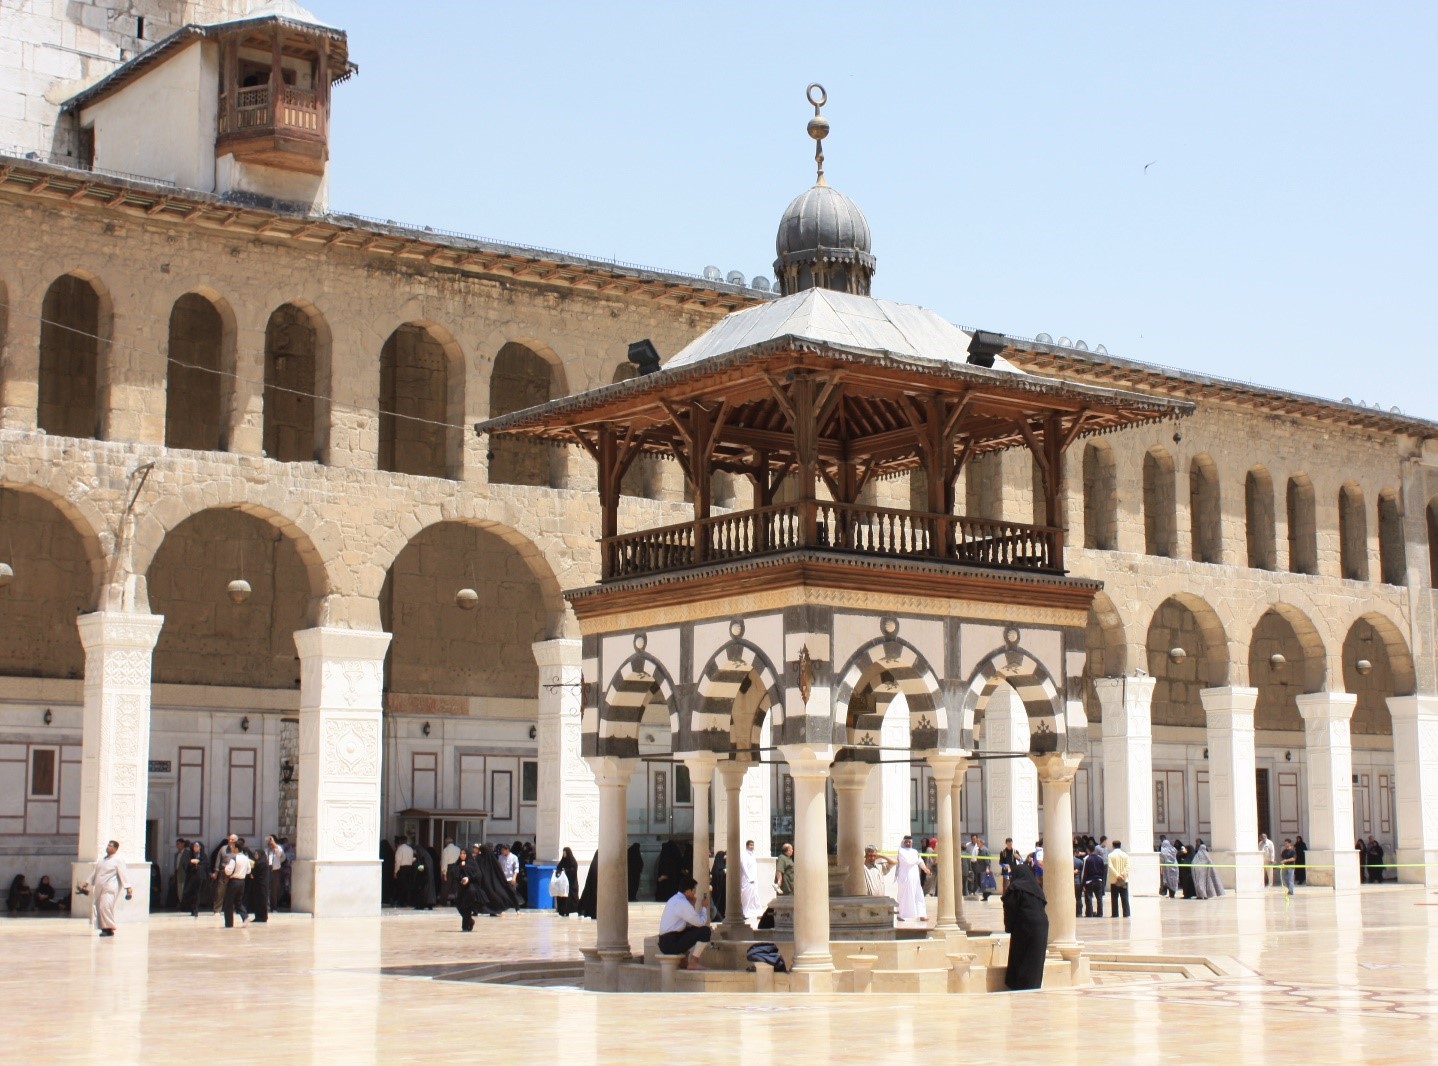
955, 875
337, 873
1232, 792
611, 905
731, 772
1012, 784
1127, 704
1056, 776
947, 767
115, 753
809, 767
1326, 718
850, 779
568, 796
1415, 779
701, 778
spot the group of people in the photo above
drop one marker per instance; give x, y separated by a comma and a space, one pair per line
1185, 869
1371, 866
234, 878
1100, 868
24, 897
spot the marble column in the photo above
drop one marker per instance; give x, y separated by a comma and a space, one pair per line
1056, 777
809, 767
850, 780
955, 874
701, 766
568, 797
1127, 704
1232, 792
611, 903
1326, 718
337, 872
947, 767
731, 773
115, 750
1415, 779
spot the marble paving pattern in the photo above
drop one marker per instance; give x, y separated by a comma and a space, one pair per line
1320, 979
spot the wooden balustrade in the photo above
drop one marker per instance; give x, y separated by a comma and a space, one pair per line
248, 110
839, 527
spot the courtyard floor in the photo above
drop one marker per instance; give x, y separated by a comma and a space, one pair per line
1352, 980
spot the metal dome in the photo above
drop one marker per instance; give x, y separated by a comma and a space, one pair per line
822, 219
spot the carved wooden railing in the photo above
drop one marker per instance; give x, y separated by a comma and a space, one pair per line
248, 109
841, 527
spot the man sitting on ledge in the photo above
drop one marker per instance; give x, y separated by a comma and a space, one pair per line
683, 929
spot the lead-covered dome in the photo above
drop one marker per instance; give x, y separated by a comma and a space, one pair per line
823, 243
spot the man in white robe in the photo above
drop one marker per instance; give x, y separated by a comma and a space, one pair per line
911, 889
106, 880
749, 883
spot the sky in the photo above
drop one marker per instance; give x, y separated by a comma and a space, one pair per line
1240, 190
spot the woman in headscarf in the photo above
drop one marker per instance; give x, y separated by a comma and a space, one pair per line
426, 874
1205, 876
386, 868
45, 895
590, 894
718, 885
1167, 869
667, 871
1026, 920
22, 896
1185, 869
567, 903
1300, 851
258, 890
493, 894
636, 870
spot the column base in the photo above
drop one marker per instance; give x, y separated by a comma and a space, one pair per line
1240, 871
337, 889
811, 980
1410, 872
127, 912
1337, 870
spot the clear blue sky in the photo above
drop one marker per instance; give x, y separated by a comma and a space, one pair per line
1284, 234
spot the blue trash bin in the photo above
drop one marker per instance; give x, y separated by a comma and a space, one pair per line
537, 874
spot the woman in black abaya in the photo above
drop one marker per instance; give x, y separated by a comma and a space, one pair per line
568, 904
590, 894
1185, 870
1026, 921
636, 870
718, 885
667, 871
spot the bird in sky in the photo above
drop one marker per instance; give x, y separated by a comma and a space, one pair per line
1147, 165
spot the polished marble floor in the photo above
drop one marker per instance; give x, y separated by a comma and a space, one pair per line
1322, 979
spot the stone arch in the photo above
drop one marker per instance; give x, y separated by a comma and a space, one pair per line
638, 682
1036, 689
1160, 520
1105, 651
270, 502
1392, 545
1302, 526
1180, 621
1431, 514
1100, 496
389, 547
421, 401
1376, 639
1205, 509
440, 651
58, 564
1352, 533
885, 667
200, 356
730, 673
1259, 519
76, 319
525, 374
1286, 631
207, 638
297, 382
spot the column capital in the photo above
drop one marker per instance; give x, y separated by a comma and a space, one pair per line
1326, 706
1231, 699
851, 775
732, 770
701, 765
945, 765
1414, 708
561, 651
808, 760
119, 629
1139, 685
339, 643
1057, 766
611, 771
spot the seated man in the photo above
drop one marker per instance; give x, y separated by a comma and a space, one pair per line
682, 928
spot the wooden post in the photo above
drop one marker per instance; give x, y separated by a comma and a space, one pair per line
805, 452
608, 497
277, 79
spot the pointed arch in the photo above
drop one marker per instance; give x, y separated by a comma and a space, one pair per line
897, 666
1037, 691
